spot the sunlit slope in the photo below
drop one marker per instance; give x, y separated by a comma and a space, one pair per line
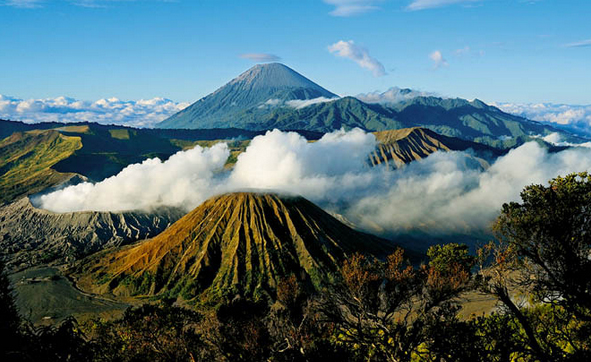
238, 243
398, 147
27, 158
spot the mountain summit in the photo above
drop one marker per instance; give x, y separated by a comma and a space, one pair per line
263, 84
277, 77
239, 243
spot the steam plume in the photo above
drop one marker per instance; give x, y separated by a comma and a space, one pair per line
446, 192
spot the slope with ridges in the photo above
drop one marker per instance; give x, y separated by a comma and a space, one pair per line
239, 243
399, 147
30, 236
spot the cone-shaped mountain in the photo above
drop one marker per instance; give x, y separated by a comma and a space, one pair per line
238, 243
262, 83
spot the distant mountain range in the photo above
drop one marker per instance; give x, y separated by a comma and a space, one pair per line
272, 95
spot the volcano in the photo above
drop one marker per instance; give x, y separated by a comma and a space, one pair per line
235, 244
260, 86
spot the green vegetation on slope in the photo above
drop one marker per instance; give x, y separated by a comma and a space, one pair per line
27, 160
102, 151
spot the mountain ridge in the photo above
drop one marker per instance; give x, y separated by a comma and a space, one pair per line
233, 105
397, 148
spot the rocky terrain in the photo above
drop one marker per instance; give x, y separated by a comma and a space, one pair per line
30, 236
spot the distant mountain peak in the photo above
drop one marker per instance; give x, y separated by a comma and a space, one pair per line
275, 76
257, 85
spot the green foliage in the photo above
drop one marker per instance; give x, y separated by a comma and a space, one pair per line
147, 333
551, 232
543, 253
384, 310
443, 258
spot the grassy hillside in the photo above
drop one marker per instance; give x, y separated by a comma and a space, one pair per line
42, 155
27, 160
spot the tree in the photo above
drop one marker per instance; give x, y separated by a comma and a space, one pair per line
550, 232
384, 309
544, 252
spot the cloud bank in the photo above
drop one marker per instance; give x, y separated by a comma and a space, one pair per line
358, 54
294, 103
141, 113
576, 118
444, 193
393, 95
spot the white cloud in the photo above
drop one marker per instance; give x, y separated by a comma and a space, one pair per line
295, 103
392, 95
352, 7
358, 54
26, 4
179, 182
557, 140
141, 113
444, 193
278, 161
580, 44
260, 57
303, 103
576, 118
430, 4
438, 60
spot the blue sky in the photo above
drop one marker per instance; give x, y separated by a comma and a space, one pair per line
495, 50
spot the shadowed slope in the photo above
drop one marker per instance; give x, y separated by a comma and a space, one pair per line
30, 236
239, 243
